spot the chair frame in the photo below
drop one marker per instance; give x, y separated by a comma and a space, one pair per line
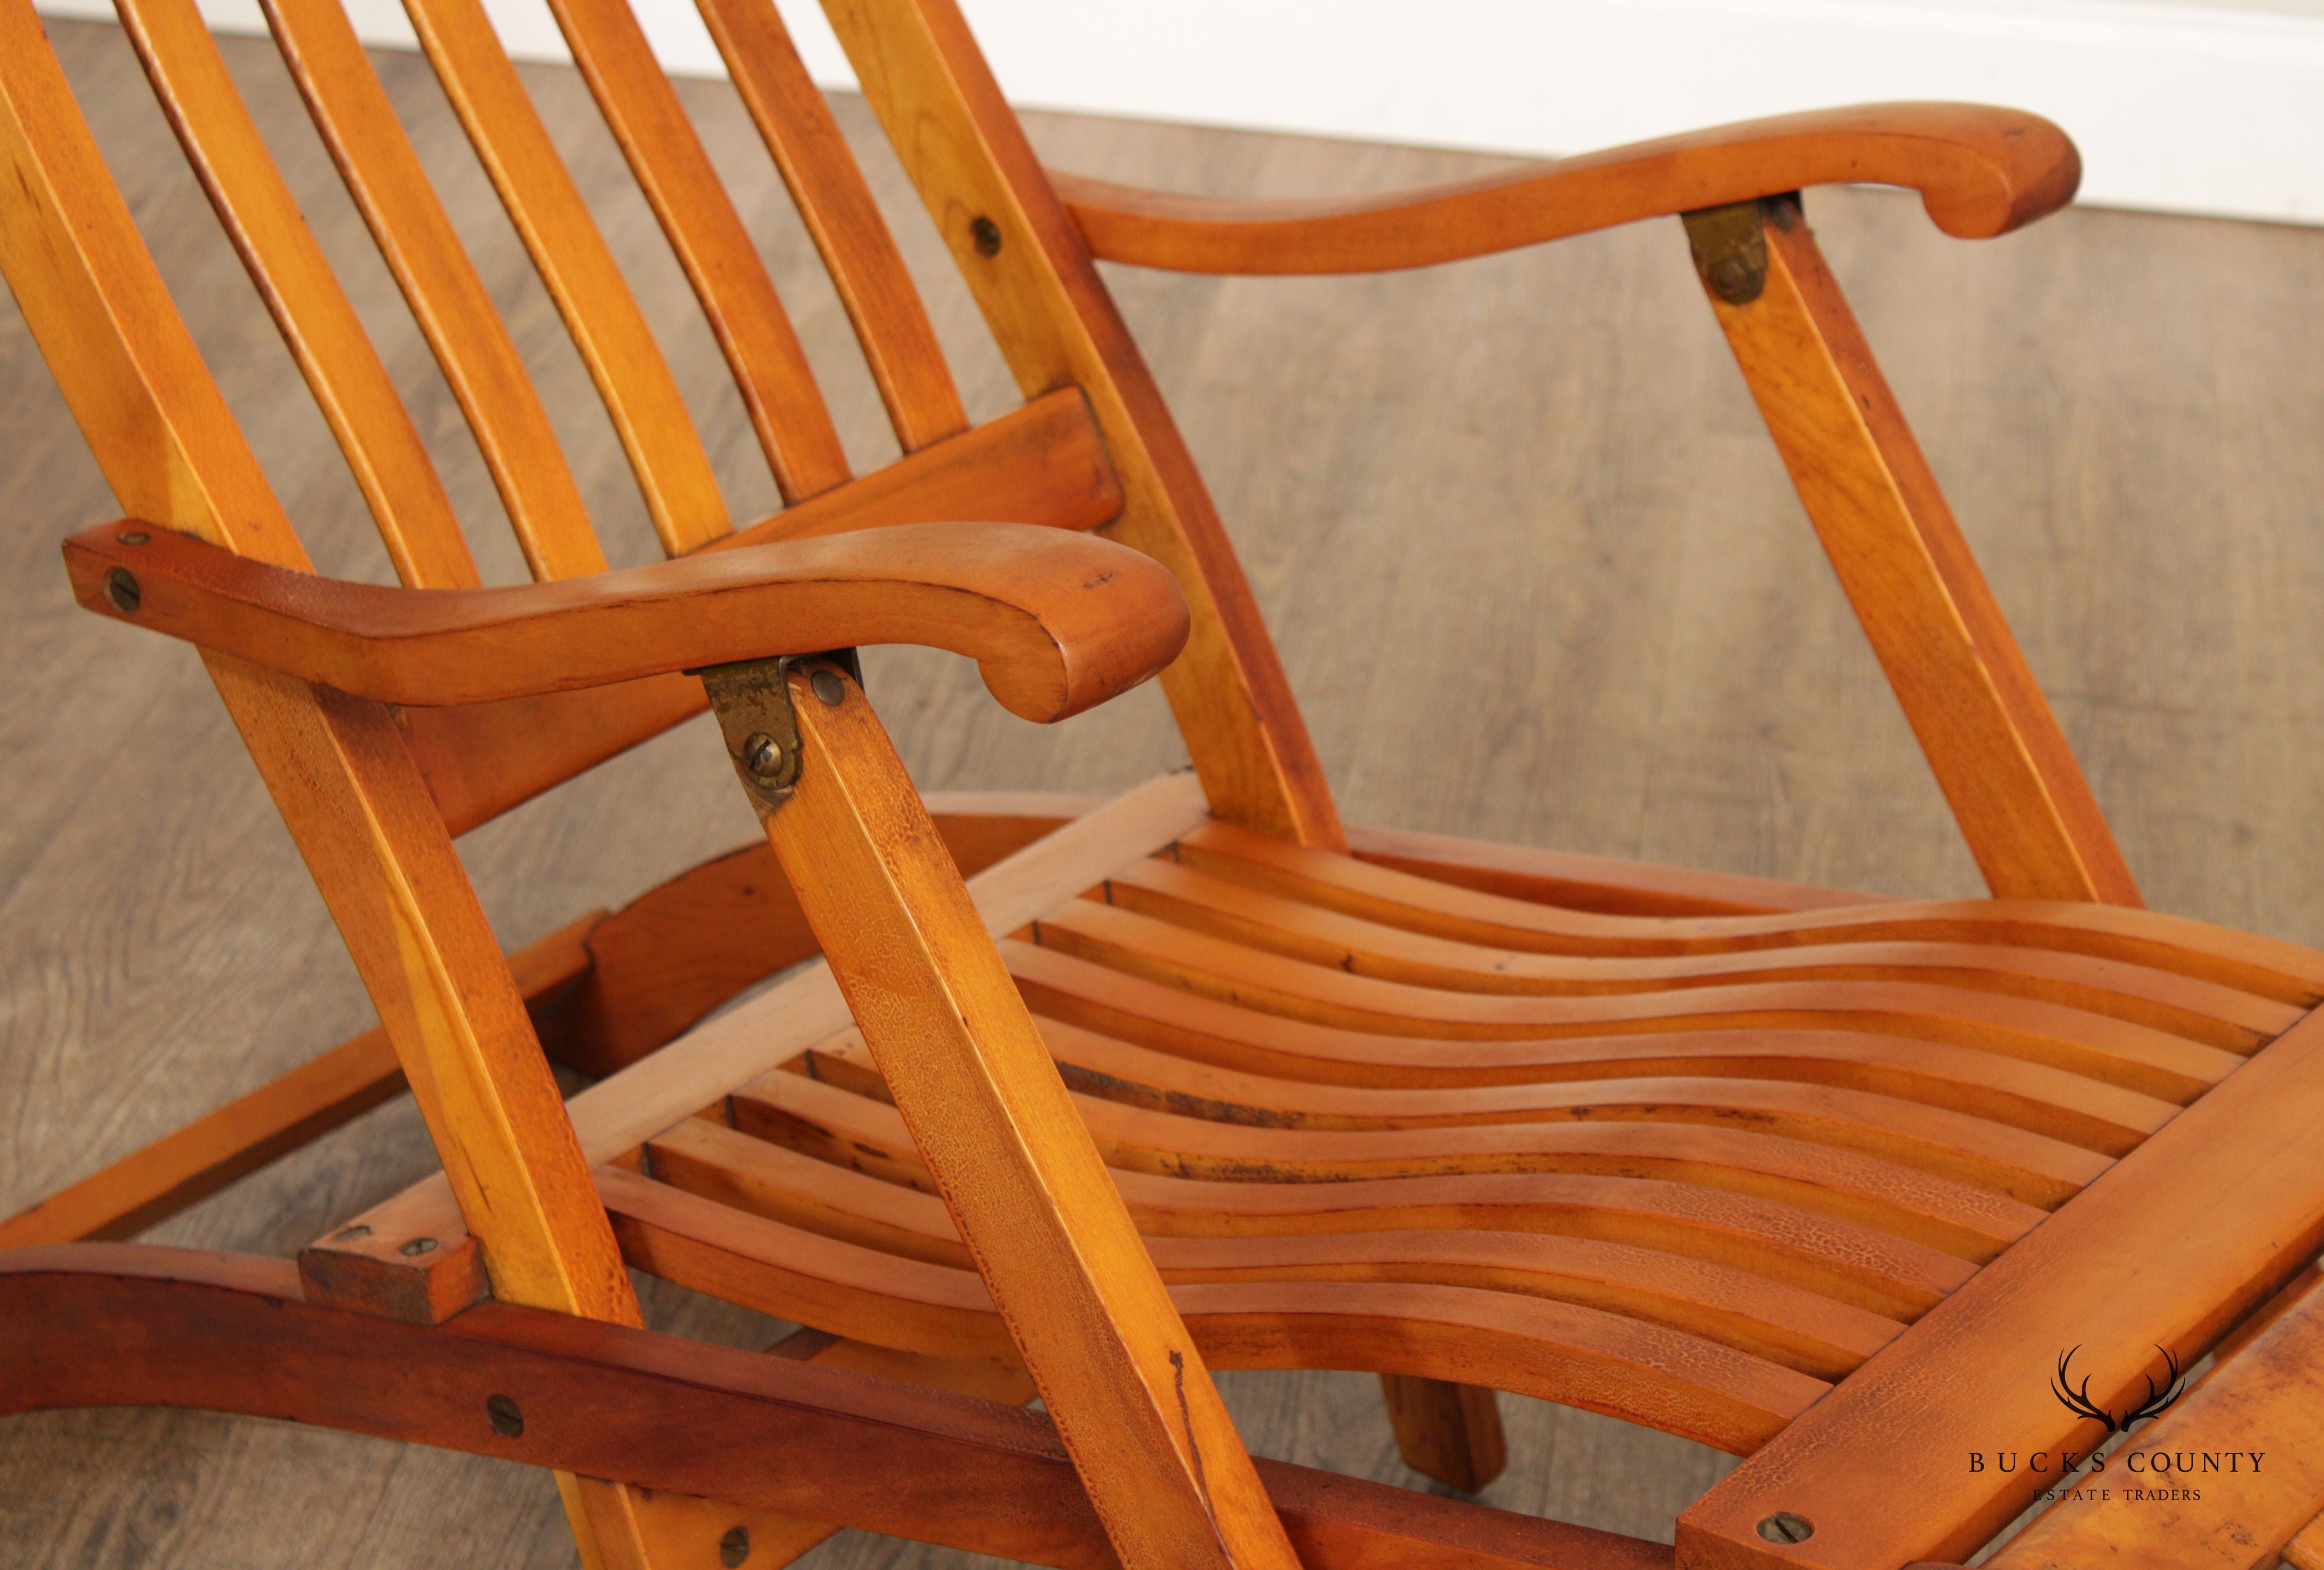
384, 724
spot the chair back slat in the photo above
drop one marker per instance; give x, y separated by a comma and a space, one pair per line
771, 369
414, 235
793, 117
1093, 447
112, 336
632, 378
391, 463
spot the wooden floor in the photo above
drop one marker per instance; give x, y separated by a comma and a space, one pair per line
1542, 583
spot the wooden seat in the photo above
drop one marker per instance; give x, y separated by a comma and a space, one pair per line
1080, 1101
1688, 1170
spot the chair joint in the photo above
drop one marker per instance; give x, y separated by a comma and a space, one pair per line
753, 701
1730, 244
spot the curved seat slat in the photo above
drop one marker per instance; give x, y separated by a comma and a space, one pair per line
1936, 1212
1767, 1318
1213, 1034
1187, 1141
2131, 1056
1555, 1351
1116, 1070
1843, 1261
2265, 966
2198, 1011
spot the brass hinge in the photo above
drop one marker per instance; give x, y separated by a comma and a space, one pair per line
1730, 244
753, 701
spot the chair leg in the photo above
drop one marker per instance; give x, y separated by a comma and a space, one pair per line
386, 866
1122, 1379
1986, 730
1451, 1433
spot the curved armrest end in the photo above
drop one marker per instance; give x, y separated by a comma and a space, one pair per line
1981, 171
1058, 622
1095, 624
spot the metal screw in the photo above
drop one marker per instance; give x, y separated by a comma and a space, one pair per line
987, 236
1730, 275
121, 589
1784, 1527
507, 1422
419, 1246
734, 1546
1783, 212
133, 537
827, 686
355, 1234
763, 756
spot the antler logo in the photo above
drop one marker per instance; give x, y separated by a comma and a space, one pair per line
2077, 1398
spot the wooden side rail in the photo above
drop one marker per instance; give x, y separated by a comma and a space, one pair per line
2264, 1406
93, 1325
2170, 1248
1981, 171
1056, 623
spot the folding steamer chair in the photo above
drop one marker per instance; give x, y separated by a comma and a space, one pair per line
1193, 1078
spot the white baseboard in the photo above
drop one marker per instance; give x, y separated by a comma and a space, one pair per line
2178, 107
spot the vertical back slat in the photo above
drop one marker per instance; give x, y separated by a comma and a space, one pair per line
793, 118
648, 414
1057, 326
471, 343
336, 356
112, 336
771, 369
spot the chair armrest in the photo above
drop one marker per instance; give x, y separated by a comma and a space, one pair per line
1981, 172
1056, 623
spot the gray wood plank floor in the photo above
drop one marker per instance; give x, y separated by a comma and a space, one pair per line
1533, 569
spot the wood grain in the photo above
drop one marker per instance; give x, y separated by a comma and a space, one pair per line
2259, 1404
229, 1332
1058, 622
1981, 172
1054, 321
1132, 1398
1647, 660
2021, 798
2171, 1248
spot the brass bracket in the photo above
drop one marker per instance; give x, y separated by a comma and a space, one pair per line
1730, 244
753, 701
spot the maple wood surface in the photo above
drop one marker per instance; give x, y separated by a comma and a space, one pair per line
1056, 623
1810, 855
2262, 1403
1981, 171
229, 1332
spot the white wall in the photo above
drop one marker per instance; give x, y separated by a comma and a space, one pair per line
2211, 106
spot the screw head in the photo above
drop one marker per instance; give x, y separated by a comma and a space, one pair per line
987, 236
121, 589
355, 1233
734, 1546
417, 1247
828, 687
1784, 1527
507, 1422
763, 756
1730, 275
133, 537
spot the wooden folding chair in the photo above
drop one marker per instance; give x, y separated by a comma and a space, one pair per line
1897, 1199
